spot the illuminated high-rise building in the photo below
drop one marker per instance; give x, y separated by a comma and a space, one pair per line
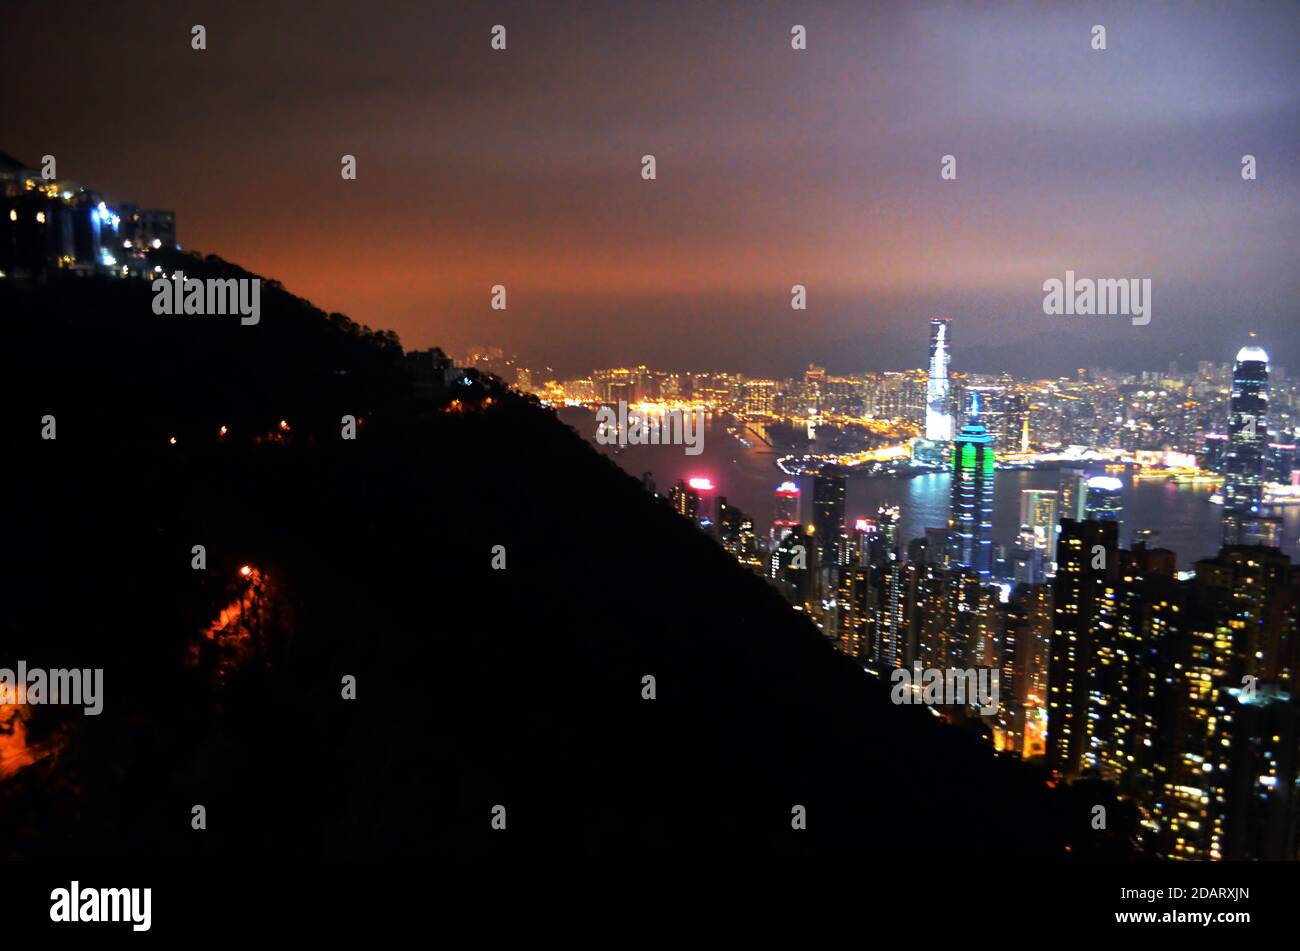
1074, 495
758, 397
1257, 775
785, 510
887, 519
1038, 514
1017, 429
1026, 563
829, 492
1241, 632
970, 510
993, 399
855, 605
794, 566
703, 489
938, 418
1027, 639
1084, 602
1281, 461
685, 501
919, 629
1129, 673
1103, 499
1243, 464
735, 530
887, 650
864, 542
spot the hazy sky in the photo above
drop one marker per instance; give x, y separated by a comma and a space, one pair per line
822, 167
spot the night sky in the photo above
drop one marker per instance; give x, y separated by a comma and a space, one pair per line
775, 167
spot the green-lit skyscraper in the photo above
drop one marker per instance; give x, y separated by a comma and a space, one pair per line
970, 511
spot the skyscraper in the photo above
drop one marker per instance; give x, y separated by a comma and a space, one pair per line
887, 518
1017, 429
1256, 775
785, 510
735, 530
1129, 672
1084, 603
794, 565
758, 397
1243, 464
938, 420
1074, 494
1240, 630
993, 399
1038, 514
829, 492
1103, 500
685, 501
970, 509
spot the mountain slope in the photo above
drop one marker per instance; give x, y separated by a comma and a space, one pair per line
372, 558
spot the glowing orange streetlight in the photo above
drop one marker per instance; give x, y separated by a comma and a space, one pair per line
171, 441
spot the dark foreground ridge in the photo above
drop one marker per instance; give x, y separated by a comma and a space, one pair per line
475, 687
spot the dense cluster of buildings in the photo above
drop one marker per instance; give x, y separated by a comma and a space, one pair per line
1179, 413
1178, 687
50, 225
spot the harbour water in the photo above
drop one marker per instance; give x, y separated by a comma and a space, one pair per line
1183, 516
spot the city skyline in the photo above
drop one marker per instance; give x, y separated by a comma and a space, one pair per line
1085, 646
1189, 427
577, 433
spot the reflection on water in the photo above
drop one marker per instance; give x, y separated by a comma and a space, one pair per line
1182, 515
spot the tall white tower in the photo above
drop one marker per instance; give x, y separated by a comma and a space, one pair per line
938, 421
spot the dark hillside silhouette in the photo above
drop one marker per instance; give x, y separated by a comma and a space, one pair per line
475, 687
